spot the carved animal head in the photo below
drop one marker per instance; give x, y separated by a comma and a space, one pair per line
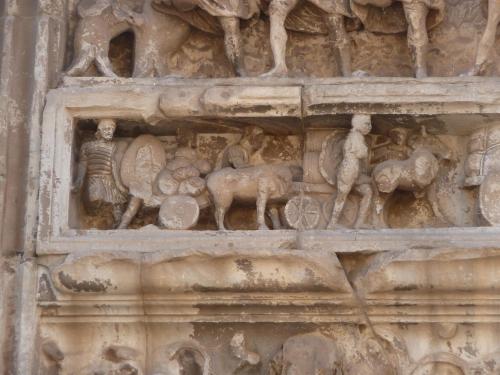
386, 176
431, 143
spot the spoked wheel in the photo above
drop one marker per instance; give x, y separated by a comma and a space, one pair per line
303, 212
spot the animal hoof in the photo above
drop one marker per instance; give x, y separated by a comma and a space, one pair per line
421, 73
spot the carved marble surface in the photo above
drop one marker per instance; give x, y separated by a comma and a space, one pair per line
376, 39
192, 223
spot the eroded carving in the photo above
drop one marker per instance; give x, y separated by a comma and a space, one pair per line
183, 358
350, 174
482, 169
99, 171
415, 174
310, 353
100, 21
358, 178
420, 15
249, 361
116, 359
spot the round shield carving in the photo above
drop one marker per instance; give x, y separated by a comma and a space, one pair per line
331, 156
141, 164
179, 212
489, 198
303, 212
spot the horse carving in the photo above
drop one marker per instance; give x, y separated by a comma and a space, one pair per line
260, 184
415, 174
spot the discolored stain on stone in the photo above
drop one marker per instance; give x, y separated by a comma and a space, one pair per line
95, 286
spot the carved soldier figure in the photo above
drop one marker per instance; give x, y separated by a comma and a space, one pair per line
100, 21
350, 174
420, 16
99, 170
488, 39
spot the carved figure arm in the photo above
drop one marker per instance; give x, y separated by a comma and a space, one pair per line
116, 177
82, 170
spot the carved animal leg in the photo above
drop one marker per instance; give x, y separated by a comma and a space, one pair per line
488, 39
367, 194
338, 207
133, 207
232, 42
418, 40
379, 213
431, 195
278, 11
220, 214
342, 43
262, 196
104, 65
274, 215
81, 64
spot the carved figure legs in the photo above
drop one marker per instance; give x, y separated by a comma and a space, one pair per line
343, 191
341, 42
367, 193
418, 40
88, 53
133, 207
488, 39
278, 11
117, 212
232, 42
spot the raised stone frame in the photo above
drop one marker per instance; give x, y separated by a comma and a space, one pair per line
150, 101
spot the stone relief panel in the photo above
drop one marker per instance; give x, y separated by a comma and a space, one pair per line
185, 181
156, 38
367, 173
279, 349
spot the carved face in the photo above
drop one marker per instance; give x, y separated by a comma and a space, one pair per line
398, 136
362, 123
254, 137
106, 129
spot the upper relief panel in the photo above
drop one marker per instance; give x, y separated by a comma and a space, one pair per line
204, 39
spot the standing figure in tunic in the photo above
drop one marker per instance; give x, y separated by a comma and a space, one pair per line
98, 170
350, 173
